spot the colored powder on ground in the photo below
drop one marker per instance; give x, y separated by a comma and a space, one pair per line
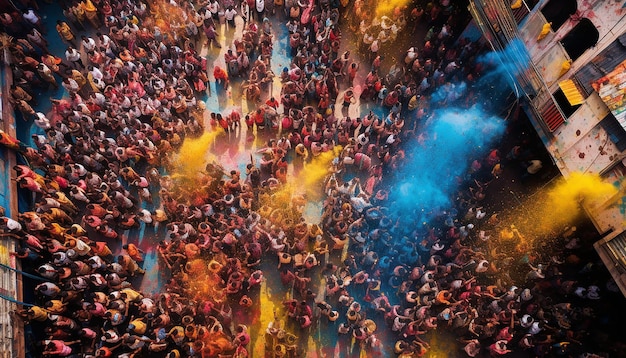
267, 306
194, 154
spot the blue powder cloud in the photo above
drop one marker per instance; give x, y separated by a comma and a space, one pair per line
454, 138
435, 167
501, 67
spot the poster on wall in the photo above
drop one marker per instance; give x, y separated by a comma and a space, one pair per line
612, 90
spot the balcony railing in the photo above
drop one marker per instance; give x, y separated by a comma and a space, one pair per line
500, 27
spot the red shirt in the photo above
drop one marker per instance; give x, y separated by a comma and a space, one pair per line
272, 103
259, 118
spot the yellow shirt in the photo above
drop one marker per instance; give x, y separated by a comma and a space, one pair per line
65, 32
179, 334
57, 307
79, 78
140, 326
88, 6
38, 314
132, 295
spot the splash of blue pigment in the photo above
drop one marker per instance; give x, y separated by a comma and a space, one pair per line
501, 67
427, 183
449, 93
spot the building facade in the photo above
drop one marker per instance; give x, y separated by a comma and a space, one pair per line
567, 61
11, 335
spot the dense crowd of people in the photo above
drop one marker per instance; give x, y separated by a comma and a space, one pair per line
365, 281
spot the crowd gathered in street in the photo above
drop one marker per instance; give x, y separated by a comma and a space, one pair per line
361, 281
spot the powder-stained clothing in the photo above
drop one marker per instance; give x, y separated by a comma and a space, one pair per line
65, 32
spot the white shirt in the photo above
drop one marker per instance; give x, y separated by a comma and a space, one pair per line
483, 265
374, 46
13, 225
534, 167
41, 121
534, 328
245, 9
50, 289
31, 17
230, 14
213, 7
72, 55
100, 98
105, 41
81, 247
71, 85
96, 73
89, 45
35, 37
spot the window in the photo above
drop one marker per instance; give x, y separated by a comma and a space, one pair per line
558, 11
616, 132
580, 38
564, 104
605, 62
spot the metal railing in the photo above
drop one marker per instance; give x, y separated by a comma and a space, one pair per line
500, 29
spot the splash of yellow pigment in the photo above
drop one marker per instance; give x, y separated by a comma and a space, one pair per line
285, 206
308, 181
163, 14
388, 7
314, 172
563, 202
544, 215
193, 154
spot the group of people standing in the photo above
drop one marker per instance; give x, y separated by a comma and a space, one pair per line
363, 281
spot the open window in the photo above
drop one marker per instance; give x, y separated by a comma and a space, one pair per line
564, 104
580, 38
558, 11
617, 133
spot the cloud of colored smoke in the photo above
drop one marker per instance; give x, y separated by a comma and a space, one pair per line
435, 166
502, 66
549, 211
306, 184
315, 171
194, 155
454, 137
449, 93
564, 200
387, 7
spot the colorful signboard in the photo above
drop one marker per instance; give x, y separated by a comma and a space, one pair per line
612, 90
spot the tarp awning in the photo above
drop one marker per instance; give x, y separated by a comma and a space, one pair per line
572, 93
